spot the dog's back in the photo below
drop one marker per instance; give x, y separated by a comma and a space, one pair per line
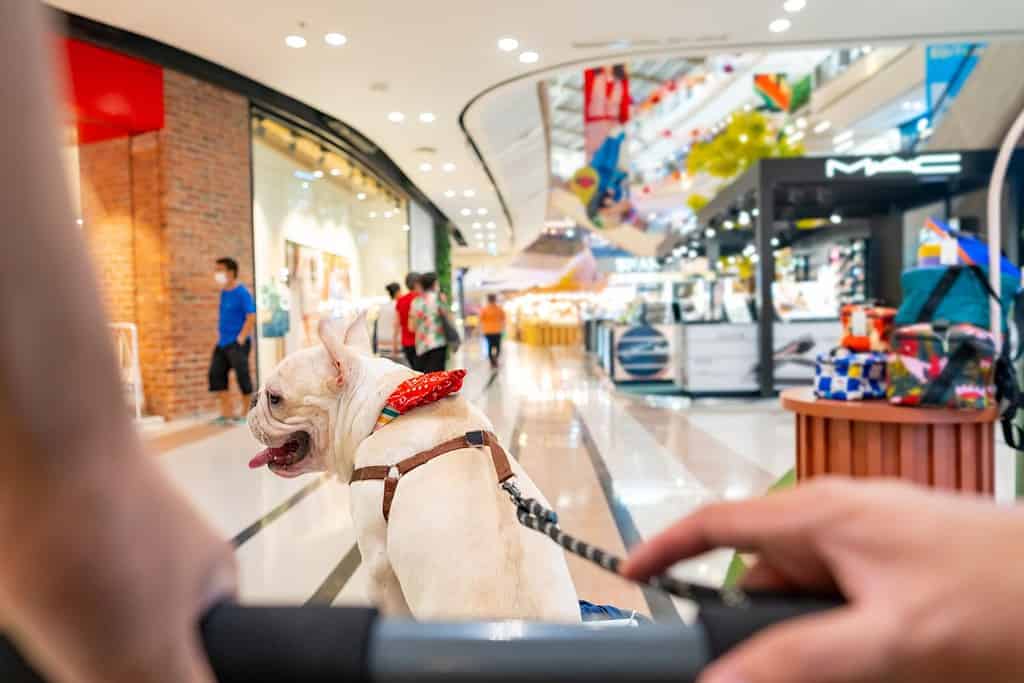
452, 539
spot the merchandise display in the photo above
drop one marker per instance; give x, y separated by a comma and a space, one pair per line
842, 375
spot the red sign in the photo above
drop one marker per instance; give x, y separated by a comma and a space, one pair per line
606, 94
112, 95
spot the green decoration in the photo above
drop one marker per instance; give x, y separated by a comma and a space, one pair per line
443, 258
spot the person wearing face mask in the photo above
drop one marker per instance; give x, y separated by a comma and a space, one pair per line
235, 325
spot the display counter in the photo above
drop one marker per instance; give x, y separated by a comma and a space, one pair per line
722, 359
636, 353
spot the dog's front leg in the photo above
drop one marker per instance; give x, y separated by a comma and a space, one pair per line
384, 590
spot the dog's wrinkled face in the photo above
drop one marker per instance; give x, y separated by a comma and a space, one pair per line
292, 415
296, 412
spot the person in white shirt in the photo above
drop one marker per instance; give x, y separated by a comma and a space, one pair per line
387, 322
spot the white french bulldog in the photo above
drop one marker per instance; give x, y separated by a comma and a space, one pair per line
452, 548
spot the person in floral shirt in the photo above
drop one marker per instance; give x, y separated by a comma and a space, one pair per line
425, 321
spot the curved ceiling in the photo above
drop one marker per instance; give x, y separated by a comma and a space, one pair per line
416, 57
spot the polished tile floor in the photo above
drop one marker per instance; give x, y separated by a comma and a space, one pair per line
618, 468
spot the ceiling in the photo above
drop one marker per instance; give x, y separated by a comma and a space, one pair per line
442, 58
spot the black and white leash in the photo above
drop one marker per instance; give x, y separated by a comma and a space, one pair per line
533, 515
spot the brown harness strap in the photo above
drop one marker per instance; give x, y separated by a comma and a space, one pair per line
391, 474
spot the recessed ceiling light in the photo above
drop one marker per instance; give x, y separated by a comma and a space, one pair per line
801, 123
797, 137
775, 241
373, 214
427, 117
492, 225
529, 57
481, 212
335, 171
794, 6
335, 39
79, 221
318, 173
822, 127
466, 212
389, 214
508, 44
426, 167
449, 193
652, 216
780, 25
476, 226
448, 167
836, 218
405, 227
295, 41
305, 185
361, 196
396, 117
468, 193
842, 137
709, 233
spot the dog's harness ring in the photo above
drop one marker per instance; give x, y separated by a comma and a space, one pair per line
392, 474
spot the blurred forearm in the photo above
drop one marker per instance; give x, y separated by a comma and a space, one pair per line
59, 387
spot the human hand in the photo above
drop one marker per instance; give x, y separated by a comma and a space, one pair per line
241, 339
116, 596
931, 582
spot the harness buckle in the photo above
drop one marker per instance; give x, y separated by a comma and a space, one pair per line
476, 438
394, 473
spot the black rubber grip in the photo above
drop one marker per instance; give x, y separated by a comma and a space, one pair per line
726, 626
264, 645
273, 644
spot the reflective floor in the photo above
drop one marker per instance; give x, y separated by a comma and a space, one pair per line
617, 467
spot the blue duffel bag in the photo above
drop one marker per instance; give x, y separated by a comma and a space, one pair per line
951, 294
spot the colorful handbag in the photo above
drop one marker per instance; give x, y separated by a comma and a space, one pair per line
866, 328
935, 365
841, 375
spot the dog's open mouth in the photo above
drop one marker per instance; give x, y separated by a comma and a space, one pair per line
283, 457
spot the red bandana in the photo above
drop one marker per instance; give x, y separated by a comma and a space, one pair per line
419, 391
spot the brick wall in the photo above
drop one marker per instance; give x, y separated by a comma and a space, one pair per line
107, 213
159, 209
207, 213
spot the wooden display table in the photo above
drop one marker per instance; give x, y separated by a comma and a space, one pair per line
940, 448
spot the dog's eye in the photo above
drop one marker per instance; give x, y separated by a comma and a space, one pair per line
274, 399
253, 401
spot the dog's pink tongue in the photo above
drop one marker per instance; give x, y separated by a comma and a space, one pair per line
263, 457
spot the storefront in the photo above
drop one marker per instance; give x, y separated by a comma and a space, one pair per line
840, 230
174, 162
329, 236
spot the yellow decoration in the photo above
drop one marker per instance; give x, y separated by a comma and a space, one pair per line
696, 202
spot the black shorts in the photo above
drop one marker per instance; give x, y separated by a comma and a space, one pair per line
410, 355
433, 360
235, 357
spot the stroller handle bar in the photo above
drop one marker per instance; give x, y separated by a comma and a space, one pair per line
321, 644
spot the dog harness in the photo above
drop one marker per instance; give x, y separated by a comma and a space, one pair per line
419, 391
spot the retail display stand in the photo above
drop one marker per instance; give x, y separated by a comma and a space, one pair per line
935, 447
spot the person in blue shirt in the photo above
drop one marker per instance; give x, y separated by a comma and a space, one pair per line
236, 323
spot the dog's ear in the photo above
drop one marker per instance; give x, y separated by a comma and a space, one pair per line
345, 337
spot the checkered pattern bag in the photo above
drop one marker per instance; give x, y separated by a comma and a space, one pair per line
842, 375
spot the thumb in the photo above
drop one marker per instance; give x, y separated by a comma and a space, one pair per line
839, 646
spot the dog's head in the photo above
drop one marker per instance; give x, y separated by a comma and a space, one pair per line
311, 410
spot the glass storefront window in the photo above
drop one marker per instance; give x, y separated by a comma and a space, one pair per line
328, 238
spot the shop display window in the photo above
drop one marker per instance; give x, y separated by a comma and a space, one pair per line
328, 238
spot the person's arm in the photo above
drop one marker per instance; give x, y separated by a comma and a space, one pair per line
247, 327
104, 567
932, 582
250, 318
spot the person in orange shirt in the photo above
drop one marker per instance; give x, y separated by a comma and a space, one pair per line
492, 324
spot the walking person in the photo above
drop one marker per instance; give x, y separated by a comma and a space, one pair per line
387, 332
403, 327
492, 325
234, 327
425, 319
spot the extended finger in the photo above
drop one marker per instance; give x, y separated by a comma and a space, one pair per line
743, 525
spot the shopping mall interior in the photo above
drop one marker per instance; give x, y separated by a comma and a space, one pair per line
699, 261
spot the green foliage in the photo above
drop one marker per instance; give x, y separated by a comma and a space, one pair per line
443, 257
745, 139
